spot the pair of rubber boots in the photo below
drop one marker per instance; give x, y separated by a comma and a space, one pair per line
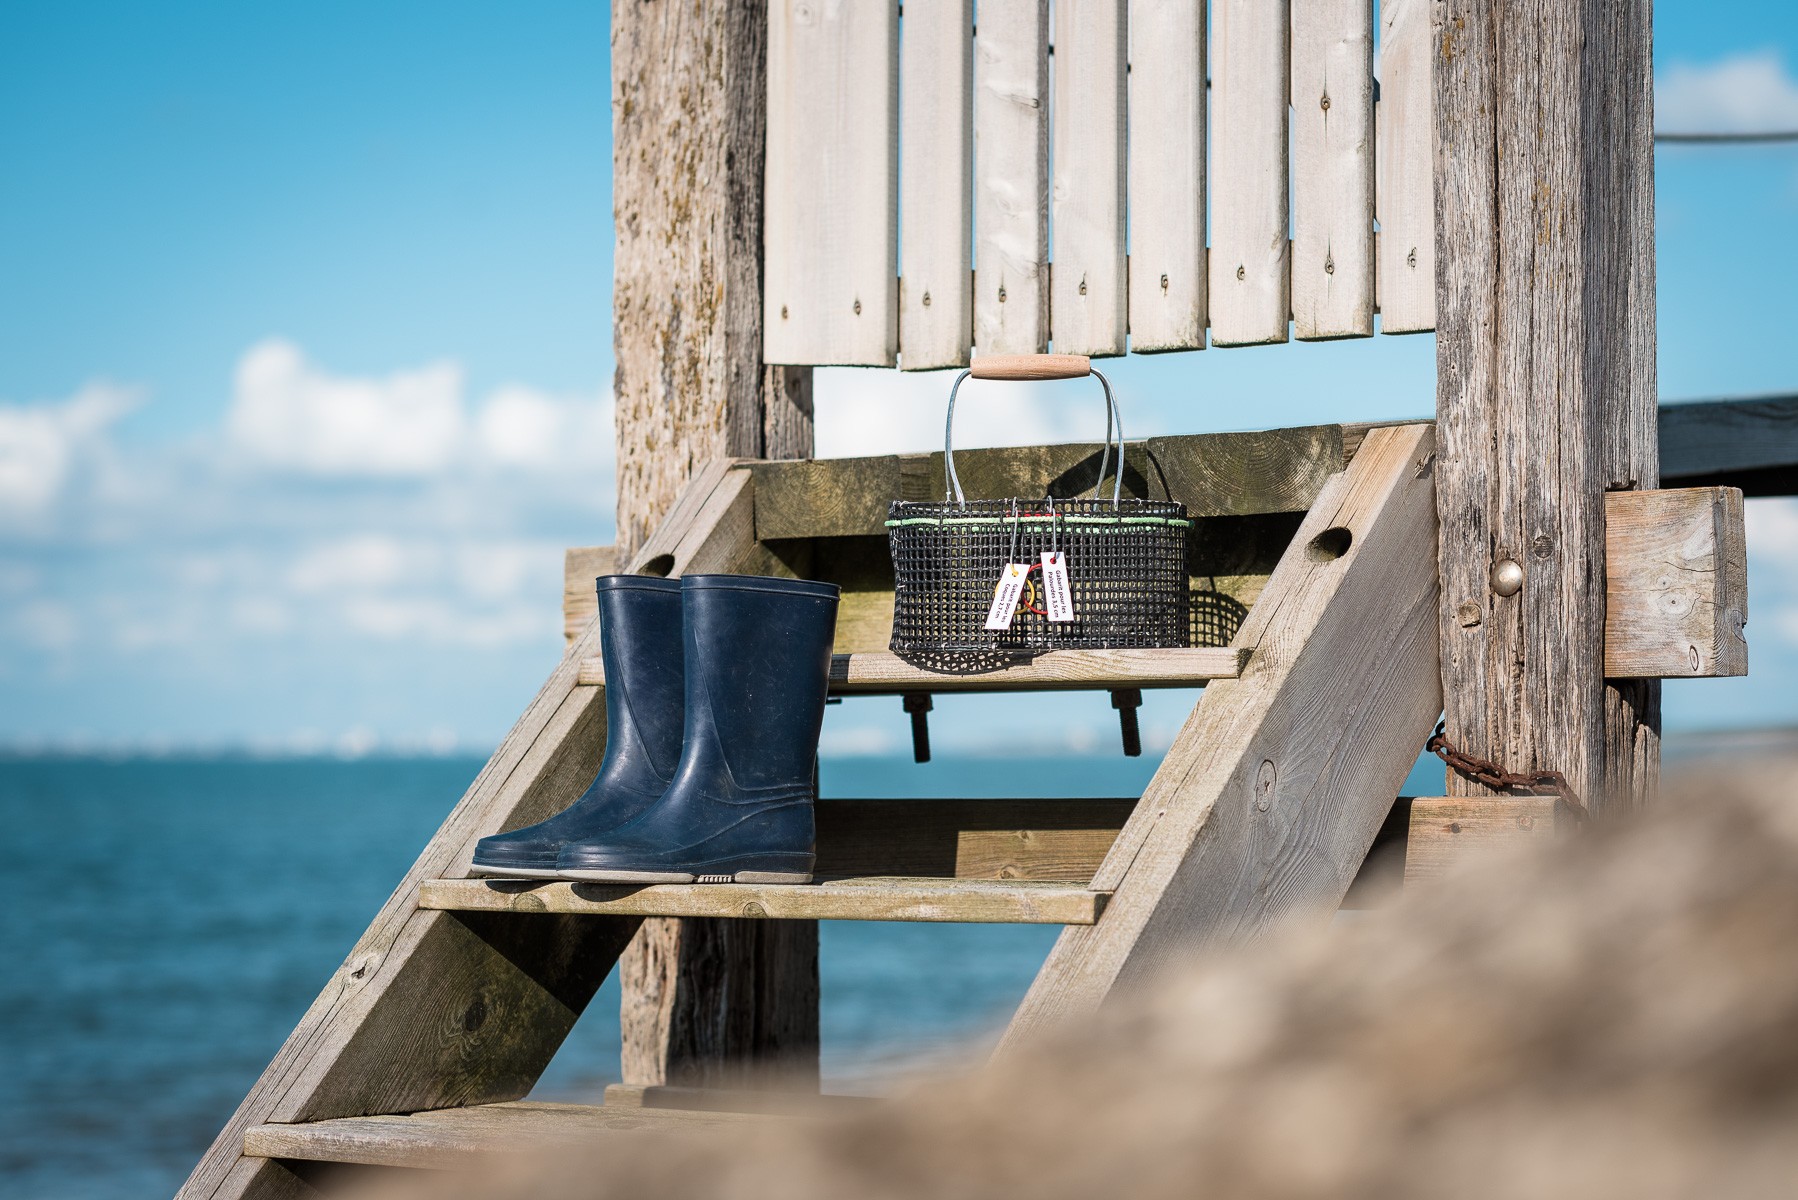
715, 689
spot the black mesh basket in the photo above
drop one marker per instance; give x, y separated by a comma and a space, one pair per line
1126, 562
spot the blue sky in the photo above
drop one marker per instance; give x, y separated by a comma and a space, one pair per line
305, 363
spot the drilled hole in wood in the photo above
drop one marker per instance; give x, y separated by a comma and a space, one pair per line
658, 566
1330, 545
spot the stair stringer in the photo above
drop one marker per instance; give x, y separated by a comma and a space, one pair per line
437, 1009
1267, 803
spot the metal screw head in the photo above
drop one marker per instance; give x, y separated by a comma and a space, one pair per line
1507, 577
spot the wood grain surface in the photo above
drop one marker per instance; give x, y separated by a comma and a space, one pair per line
1545, 377
870, 898
1270, 798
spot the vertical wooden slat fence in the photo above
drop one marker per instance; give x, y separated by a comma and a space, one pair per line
1406, 204
1250, 260
936, 183
1167, 175
831, 269
1011, 177
1332, 168
1087, 292
1220, 166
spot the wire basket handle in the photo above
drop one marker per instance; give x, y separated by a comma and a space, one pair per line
1038, 366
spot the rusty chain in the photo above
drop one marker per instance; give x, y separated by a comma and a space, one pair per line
1493, 776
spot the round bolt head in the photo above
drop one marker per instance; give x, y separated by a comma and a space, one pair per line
1507, 577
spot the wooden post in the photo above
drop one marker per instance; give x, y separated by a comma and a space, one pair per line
702, 999
1545, 375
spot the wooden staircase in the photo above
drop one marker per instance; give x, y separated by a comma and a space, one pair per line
422, 1045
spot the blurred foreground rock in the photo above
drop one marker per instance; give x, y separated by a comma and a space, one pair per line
1615, 1017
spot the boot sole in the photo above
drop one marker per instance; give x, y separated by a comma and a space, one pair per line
602, 876
515, 872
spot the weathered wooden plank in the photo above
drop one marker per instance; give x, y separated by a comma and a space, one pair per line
1250, 286
462, 1137
1267, 803
981, 901
1167, 175
1751, 444
882, 673
1333, 169
1011, 177
1676, 584
832, 184
1447, 833
936, 184
1405, 150
969, 839
1545, 379
710, 529
758, 1101
581, 565
1215, 474
1088, 289
689, 94
425, 1011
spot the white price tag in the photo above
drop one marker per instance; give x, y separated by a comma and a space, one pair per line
1055, 586
1005, 595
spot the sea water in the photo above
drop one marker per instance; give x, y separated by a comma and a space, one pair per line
167, 922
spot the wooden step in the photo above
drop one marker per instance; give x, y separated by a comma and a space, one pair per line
451, 1137
868, 898
879, 673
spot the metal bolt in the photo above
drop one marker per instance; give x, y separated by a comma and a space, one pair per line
1507, 577
1164, 283
1468, 613
783, 312
1001, 295
1329, 265
1411, 258
926, 299
1242, 272
1324, 103
858, 308
1083, 287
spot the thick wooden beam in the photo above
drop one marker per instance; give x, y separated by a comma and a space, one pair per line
1676, 584
1447, 833
689, 119
1267, 803
1545, 377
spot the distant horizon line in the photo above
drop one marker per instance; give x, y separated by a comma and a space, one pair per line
308, 748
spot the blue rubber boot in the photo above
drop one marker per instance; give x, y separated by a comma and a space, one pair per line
640, 641
740, 806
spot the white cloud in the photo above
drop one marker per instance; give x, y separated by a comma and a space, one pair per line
877, 411
1739, 94
40, 445
289, 414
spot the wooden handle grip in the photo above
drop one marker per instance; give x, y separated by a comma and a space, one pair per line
1031, 366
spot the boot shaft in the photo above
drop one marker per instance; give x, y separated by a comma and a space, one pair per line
758, 669
640, 620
